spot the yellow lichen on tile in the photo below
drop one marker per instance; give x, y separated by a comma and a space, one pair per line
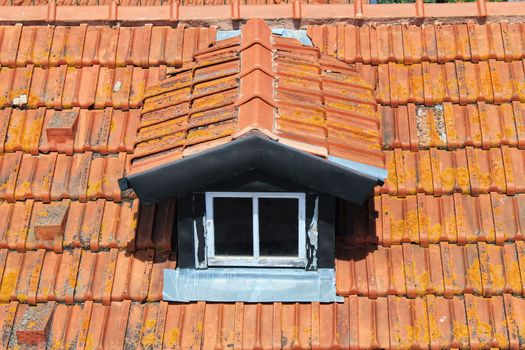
474, 275
434, 329
460, 332
484, 179
448, 179
397, 229
30, 137
425, 173
9, 282
96, 187
148, 333
422, 281
497, 277
405, 339
463, 179
498, 175
392, 174
514, 275
412, 225
23, 187
449, 222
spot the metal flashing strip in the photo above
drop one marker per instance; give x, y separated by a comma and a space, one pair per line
250, 285
227, 34
379, 173
298, 34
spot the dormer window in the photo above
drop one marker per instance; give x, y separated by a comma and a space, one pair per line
255, 229
255, 221
256, 139
258, 226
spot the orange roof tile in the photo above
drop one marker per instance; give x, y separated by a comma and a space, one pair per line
435, 259
359, 322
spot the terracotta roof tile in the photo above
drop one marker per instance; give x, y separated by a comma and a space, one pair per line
439, 269
457, 218
471, 322
81, 275
93, 225
63, 87
469, 170
56, 176
102, 131
409, 44
160, 12
452, 126
87, 45
487, 269
457, 82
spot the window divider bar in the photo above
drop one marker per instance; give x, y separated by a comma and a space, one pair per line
210, 229
302, 226
255, 205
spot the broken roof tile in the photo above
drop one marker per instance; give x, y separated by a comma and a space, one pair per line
105, 131
33, 328
47, 225
60, 130
94, 225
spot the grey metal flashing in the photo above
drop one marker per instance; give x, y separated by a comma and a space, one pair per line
379, 173
227, 34
249, 153
299, 34
250, 285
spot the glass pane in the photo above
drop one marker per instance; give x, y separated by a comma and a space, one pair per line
278, 226
233, 226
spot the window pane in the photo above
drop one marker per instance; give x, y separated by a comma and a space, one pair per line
278, 226
233, 226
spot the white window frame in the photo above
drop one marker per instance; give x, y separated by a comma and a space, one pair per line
256, 259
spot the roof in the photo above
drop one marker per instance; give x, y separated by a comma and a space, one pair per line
146, 2
260, 83
436, 259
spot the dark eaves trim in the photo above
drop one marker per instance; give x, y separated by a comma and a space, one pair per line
248, 153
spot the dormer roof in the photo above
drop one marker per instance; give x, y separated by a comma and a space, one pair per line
287, 93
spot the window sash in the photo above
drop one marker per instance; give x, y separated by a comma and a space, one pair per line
256, 259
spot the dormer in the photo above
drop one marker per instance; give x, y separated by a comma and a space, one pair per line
257, 139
